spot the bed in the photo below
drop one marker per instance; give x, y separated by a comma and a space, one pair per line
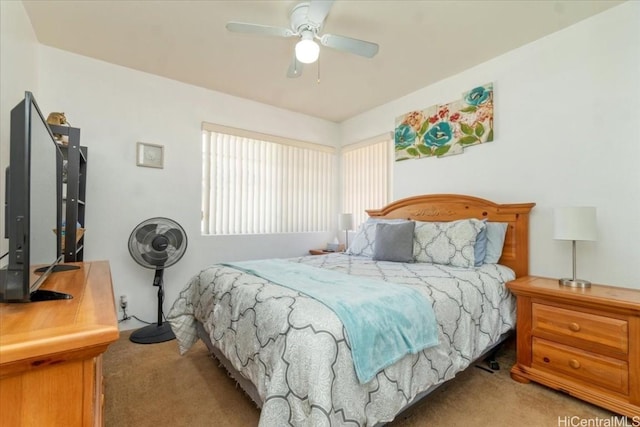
292, 354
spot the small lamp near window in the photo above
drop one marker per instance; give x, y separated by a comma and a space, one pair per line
574, 223
345, 222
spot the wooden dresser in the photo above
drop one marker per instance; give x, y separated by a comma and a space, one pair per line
584, 342
51, 351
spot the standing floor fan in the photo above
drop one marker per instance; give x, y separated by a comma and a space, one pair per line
157, 243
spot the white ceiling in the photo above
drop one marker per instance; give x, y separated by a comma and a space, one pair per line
421, 42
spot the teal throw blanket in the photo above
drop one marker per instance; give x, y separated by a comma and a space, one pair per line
384, 321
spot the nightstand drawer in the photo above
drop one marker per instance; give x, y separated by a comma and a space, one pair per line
588, 368
597, 331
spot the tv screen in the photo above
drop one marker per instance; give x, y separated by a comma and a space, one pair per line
33, 205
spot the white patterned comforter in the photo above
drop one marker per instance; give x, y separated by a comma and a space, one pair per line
293, 348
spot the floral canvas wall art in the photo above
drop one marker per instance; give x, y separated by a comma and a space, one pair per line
444, 130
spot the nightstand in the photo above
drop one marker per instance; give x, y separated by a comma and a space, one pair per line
325, 251
322, 252
584, 342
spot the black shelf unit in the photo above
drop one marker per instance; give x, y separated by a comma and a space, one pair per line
73, 202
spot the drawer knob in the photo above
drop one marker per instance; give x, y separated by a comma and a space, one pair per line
574, 363
574, 327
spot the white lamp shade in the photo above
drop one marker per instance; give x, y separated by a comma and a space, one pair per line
307, 51
574, 223
345, 221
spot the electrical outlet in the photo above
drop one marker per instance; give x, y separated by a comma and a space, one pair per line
123, 302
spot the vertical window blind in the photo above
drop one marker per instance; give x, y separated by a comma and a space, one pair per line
259, 184
366, 176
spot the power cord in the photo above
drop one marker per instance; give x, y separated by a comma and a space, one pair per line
123, 305
143, 321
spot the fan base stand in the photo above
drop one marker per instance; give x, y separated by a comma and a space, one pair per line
153, 334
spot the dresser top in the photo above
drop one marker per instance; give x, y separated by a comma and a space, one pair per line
89, 319
623, 298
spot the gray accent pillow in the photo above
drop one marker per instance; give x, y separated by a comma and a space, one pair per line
365, 239
394, 242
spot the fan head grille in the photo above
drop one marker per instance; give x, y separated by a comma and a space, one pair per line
157, 243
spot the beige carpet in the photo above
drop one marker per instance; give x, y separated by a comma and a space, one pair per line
151, 385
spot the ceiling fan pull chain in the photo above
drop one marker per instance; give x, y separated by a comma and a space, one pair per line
318, 81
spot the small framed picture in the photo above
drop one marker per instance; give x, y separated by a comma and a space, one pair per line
150, 155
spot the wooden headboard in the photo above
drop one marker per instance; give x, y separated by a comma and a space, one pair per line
451, 207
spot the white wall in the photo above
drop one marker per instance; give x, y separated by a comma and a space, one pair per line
567, 133
115, 107
18, 72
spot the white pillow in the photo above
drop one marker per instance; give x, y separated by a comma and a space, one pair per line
447, 243
362, 243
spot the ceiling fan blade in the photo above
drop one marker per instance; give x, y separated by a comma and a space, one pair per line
347, 44
295, 68
318, 11
267, 30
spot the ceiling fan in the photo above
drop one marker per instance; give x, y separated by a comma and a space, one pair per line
306, 21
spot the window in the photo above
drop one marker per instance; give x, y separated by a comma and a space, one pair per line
258, 184
366, 176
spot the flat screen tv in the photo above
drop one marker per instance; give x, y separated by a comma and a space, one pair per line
33, 207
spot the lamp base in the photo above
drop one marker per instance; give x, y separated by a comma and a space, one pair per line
575, 283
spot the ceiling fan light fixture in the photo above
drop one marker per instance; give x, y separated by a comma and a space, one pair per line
307, 51
306, 23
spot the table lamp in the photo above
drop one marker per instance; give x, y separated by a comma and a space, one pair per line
574, 223
345, 222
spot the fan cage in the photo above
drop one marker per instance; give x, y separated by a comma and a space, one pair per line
164, 231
